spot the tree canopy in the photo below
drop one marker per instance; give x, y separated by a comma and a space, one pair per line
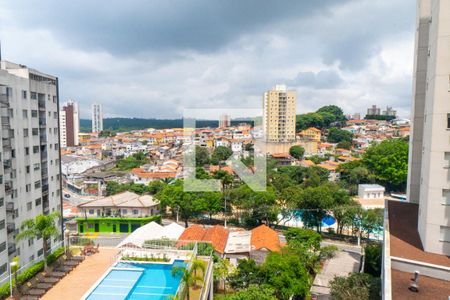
297, 152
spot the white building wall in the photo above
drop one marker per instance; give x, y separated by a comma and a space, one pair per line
30, 146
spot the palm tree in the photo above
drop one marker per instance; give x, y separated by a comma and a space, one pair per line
42, 226
187, 277
198, 264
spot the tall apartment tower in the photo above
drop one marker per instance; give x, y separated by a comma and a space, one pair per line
224, 121
69, 123
97, 118
429, 151
279, 106
30, 159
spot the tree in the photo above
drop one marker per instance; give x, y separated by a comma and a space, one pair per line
307, 237
134, 161
355, 286
254, 292
336, 135
201, 156
187, 277
372, 262
155, 186
372, 220
198, 265
334, 110
287, 275
344, 145
247, 273
226, 180
388, 161
222, 269
220, 154
297, 152
42, 226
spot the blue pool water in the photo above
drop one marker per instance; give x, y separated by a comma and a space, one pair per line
137, 281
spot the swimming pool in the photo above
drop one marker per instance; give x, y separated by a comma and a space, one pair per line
137, 281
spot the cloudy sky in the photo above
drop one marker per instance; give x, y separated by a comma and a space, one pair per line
151, 59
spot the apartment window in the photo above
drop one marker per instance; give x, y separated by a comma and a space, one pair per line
29, 206
445, 234
54, 99
2, 224
36, 166
37, 184
40, 252
27, 169
34, 131
37, 202
57, 176
448, 121
56, 146
2, 247
25, 132
27, 150
25, 113
55, 130
2, 202
135, 212
58, 192
28, 187
1, 179
33, 95
13, 153
35, 149
34, 114
55, 115
3, 269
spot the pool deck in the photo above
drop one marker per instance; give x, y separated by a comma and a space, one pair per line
74, 285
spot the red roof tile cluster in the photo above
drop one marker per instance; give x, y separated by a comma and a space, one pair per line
264, 237
216, 235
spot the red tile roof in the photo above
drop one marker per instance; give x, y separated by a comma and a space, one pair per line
216, 235
264, 237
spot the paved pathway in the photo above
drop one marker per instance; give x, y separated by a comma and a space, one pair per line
80, 280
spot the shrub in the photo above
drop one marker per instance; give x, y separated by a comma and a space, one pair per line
52, 257
328, 252
23, 277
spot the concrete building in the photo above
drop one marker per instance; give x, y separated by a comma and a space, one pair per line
69, 123
224, 121
97, 118
279, 106
429, 174
30, 159
389, 112
374, 111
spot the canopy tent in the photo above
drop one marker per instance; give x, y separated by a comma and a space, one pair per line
152, 231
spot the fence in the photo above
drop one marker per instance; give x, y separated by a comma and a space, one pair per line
102, 241
6, 278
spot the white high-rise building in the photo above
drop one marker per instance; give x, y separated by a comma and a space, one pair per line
429, 156
97, 118
30, 159
69, 122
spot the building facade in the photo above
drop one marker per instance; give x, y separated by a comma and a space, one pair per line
374, 111
224, 121
279, 107
97, 118
429, 156
69, 123
30, 159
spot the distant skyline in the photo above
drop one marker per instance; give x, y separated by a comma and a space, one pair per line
151, 59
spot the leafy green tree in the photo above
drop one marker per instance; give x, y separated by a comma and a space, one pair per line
220, 154
334, 110
297, 152
222, 269
372, 220
187, 277
286, 274
388, 161
336, 135
198, 265
201, 156
372, 263
254, 292
307, 237
42, 226
155, 186
347, 216
355, 286
309, 120
247, 273
133, 161
248, 147
344, 145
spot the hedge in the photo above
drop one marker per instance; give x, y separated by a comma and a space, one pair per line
31, 271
